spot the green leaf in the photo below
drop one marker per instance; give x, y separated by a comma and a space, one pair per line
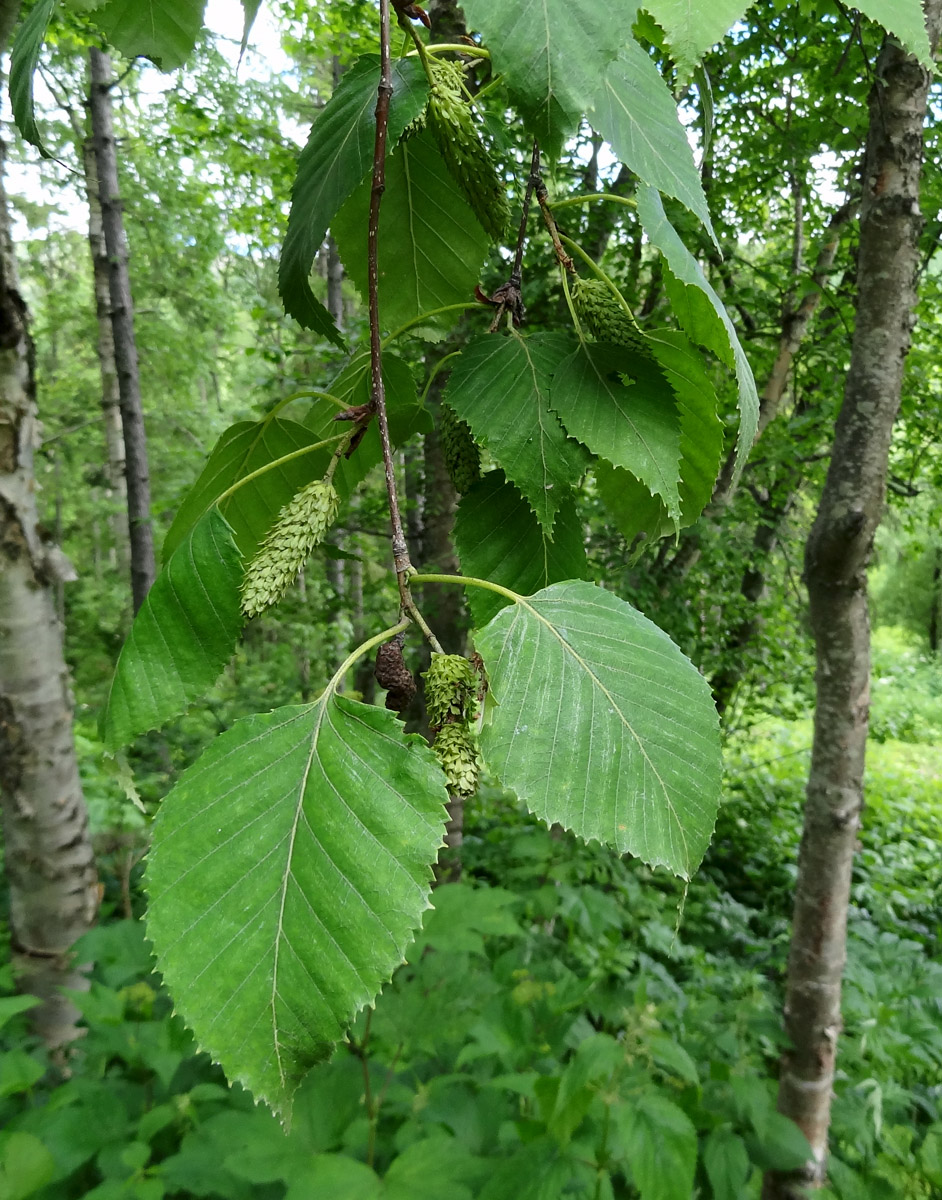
250, 12
498, 538
633, 507
633, 109
339, 1177
12, 1006
633, 425
431, 247
165, 31
692, 29
251, 510
290, 868
686, 268
25, 1165
905, 19
660, 1144
182, 637
19, 1072
436, 1168
548, 51
601, 724
337, 157
726, 1162
501, 387
24, 58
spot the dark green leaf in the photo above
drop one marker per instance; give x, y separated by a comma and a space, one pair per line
601, 724
633, 425
24, 58
660, 1145
250, 12
337, 157
498, 538
726, 1161
431, 246
501, 387
165, 31
182, 637
635, 510
270, 953
633, 109
688, 271
549, 51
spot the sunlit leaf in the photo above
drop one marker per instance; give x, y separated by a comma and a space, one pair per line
24, 58
165, 31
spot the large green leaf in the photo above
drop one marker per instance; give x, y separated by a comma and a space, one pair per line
906, 19
633, 425
498, 538
633, 507
338, 155
549, 51
660, 1143
633, 109
501, 387
242, 449
686, 268
182, 637
692, 29
24, 58
601, 724
165, 31
431, 247
290, 868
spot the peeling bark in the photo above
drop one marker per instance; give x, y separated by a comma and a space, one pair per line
836, 559
143, 568
49, 863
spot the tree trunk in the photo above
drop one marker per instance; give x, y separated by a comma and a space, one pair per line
108, 369
50, 867
143, 569
836, 559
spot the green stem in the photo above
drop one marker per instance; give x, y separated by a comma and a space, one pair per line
563, 275
279, 462
420, 48
598, 272
468, 581
307, 393
433, 312
490, 86
457, 48
571, 200
364, 648
435, 370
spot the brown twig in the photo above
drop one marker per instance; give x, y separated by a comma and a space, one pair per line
542, 198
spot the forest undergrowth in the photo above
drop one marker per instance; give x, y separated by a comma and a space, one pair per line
569, 1023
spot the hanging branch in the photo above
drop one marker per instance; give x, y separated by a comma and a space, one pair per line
400, 549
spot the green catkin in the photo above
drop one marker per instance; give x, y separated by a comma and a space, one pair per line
457, 752
599, 311
459, 450
465, 155
302, 524
451, 686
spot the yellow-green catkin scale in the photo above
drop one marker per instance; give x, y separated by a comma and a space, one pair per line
464, 153
451, 687
458, 754
600, 313
459, 449
302, 524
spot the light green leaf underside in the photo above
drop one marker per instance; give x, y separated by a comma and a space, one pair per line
498, 538
501, 387
633, 109
290, 868
182, 637
548, 51
431, 247
24, 58
337, 157
632, 506
601, 724
692, 28
905, 19
635, 426
686, 268
165, 31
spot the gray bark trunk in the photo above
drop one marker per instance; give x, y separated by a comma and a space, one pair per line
50, 867
836, 559
143, 569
